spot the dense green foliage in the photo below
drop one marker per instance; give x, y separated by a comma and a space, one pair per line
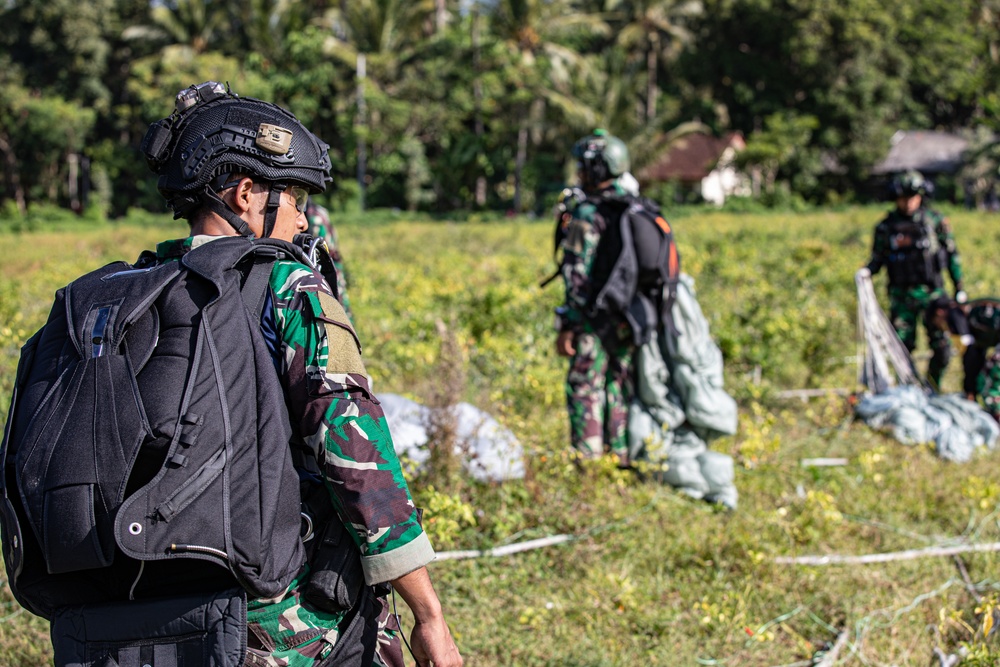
454, 309
472, 104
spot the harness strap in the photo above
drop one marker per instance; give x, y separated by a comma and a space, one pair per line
219, 207
273, 202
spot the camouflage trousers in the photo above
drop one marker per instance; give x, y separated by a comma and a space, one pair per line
988, 384
294, 633
906, 307
598, 391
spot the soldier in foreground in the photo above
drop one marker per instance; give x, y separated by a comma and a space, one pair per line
249, 393
916, 246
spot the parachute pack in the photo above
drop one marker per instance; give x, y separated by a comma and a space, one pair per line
636, 267
131, 439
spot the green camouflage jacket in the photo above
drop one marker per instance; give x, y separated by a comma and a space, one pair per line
582, 234
333, 409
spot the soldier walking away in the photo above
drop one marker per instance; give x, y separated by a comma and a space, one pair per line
975, 326
196, 470
916, 246
612, 302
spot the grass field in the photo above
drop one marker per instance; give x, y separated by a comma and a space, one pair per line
654, 578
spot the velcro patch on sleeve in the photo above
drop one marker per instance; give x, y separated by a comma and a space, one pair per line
344, 350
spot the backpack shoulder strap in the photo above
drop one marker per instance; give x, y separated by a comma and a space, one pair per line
255, 287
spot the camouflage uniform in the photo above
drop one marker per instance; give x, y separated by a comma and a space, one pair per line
599, 382
909, 297
320, 227
333, 410
981, 363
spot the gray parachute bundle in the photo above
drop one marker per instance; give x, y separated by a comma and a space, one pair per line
899, 403
681, 405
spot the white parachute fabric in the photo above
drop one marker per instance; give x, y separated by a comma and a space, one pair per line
957, 427
681, 405
489, 452
883, 360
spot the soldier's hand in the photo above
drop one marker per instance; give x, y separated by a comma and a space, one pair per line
564, 344
864, 272
432, 644
961, 296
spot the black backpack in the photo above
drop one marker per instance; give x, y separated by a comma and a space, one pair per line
148, 428
635, 270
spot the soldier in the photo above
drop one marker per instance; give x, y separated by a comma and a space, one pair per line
321, 227
598, 384
240, 388
916, 245
328, 397
976, 327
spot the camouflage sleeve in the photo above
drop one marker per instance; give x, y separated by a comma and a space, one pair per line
946, 239
579, 244
880, 248
334, 411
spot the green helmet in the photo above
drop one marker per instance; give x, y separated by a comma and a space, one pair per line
601, 156
908, 184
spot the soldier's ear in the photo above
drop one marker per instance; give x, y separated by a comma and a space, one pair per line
243, 195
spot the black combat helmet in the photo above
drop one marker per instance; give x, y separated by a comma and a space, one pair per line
908, 184
214, 133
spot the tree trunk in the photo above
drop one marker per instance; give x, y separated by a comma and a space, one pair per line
13, 175
440, 15
651, 89
522, 156
362, 150
73, 182
477, 96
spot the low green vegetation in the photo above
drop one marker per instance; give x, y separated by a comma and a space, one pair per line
453, 310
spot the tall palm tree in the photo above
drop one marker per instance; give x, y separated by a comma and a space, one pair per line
377, 38
655, 30
532, 31
379, 28
192, 23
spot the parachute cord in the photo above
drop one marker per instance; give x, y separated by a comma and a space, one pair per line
131, 591
399, 624
886, 361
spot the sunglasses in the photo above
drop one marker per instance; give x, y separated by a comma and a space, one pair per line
299, 195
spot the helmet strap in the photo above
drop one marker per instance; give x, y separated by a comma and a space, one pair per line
215, 204
271, 213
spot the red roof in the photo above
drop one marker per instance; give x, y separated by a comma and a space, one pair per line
690, 158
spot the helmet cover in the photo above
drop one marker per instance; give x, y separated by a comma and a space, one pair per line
908, 184
603, 147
